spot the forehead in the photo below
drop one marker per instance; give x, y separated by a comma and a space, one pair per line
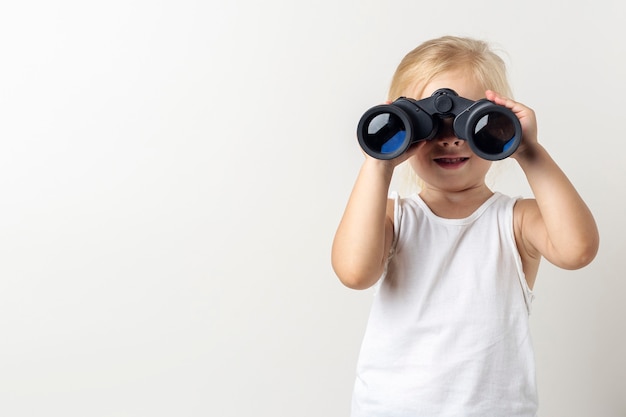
462, 82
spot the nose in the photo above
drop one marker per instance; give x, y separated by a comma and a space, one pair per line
445, 135
449, 141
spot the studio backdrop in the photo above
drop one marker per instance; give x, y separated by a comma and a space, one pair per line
172, 174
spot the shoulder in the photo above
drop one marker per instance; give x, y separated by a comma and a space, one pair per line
525, 214
395, 205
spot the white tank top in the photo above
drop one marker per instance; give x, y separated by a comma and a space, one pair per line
448, 333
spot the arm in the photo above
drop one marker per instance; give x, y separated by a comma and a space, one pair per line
557, 225
365, 233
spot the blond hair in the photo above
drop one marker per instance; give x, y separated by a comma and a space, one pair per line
446, 54
442, 55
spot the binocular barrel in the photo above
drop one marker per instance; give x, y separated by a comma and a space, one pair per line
386, 131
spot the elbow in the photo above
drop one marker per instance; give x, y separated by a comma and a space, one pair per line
354, 277
356, 283
578, 263
586, 258
582, 255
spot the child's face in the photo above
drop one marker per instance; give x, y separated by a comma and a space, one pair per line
447, 162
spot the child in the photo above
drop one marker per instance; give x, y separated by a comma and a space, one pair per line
455, 265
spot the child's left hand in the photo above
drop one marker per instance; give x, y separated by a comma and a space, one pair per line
526, 117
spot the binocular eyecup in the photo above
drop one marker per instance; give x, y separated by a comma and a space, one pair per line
386, 131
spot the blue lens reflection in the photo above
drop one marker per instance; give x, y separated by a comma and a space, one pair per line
394, 143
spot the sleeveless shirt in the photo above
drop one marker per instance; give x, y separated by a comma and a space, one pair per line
448, 333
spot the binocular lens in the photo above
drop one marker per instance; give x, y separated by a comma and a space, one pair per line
494, 133
386, 133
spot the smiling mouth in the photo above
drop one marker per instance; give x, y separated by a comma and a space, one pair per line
450, 162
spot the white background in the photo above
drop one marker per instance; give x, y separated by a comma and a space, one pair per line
172, 174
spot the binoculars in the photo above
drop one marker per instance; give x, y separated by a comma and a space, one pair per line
386, 131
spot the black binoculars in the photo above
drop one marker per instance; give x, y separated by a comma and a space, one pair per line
388, 130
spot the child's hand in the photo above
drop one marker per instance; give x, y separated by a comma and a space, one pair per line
526, 117
556, 224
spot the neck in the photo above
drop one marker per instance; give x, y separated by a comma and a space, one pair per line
455, 204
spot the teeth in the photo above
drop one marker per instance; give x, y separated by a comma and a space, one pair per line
451, 160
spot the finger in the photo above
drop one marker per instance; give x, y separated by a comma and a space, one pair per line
491, 95
505, 101
499, 99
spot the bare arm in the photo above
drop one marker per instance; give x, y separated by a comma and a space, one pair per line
557, 225
365, 232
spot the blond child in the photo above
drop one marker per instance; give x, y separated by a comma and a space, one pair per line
454, 265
